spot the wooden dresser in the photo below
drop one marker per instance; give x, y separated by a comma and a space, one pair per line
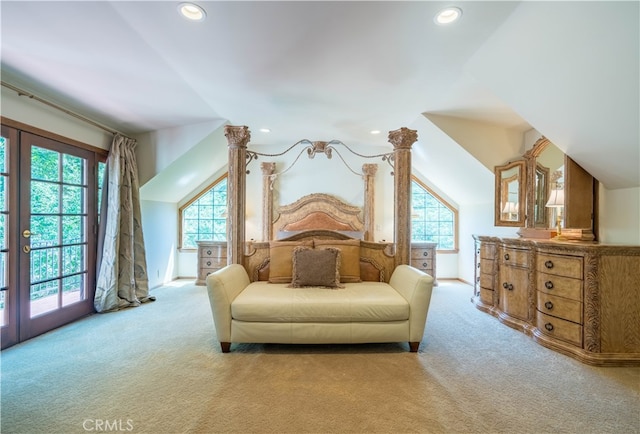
423, 257
212, 256
578, 298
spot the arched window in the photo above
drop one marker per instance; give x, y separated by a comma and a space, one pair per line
204, 218
432, 218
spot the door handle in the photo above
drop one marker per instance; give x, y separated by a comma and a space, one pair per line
27, 233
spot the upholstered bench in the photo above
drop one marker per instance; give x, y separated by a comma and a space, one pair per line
364, 312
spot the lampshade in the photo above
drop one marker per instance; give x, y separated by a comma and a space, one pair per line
556, 199
510, 207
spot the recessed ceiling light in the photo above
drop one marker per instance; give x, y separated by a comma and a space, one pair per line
192, 11
265, 130
448, 15
375, 131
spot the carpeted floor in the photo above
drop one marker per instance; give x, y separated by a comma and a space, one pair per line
158, 369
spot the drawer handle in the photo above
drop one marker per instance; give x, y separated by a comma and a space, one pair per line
548, 305
209, 263
505, 285
506, 256
548, 326
425, 253
508, 286
478, 265
548, 284
209, 252
478, 252
548, 264
424, 264
478, 279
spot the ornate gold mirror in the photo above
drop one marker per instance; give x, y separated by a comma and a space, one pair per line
545, 168
558, 188
510, 194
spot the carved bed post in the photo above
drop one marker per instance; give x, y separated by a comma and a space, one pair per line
237, 138
402, 140
369, 171
267, 200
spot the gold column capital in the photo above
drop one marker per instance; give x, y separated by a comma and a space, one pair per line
369, 169
403, 138
267, 168
237, 136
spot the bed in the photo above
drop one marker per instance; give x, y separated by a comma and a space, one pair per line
316, 278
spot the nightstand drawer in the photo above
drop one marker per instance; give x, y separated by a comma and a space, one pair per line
422, 264
559, 307
216, 263
418, 253
213, 251
562, 286
559, 328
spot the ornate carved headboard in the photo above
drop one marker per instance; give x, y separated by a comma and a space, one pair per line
318, 211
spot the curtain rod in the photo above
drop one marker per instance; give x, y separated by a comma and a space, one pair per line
21, 92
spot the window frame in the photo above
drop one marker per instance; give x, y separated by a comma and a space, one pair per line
189, 203
449, 207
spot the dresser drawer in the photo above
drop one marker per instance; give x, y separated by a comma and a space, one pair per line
517, 257
487, 280
486, 266
559, 328
559, 307
486, 295
568, 266
488, 251
558, 285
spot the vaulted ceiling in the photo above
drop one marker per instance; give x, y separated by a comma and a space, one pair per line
338, 70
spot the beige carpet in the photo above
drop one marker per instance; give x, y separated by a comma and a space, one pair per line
158, 369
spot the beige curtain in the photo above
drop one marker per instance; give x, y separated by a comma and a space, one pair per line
122, 279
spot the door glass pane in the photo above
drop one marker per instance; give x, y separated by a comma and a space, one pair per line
45, 230
72, 289
44, 297
72, 259
45, 164
72, 230
45, 197
72, 169
72, 199
44, 263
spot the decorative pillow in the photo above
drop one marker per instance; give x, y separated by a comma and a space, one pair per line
280, 259
350, 258
320, 268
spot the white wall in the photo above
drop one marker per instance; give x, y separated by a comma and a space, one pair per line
477, 219
159, 223
619, 212
36, 114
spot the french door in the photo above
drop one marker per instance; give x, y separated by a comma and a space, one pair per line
48, 232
